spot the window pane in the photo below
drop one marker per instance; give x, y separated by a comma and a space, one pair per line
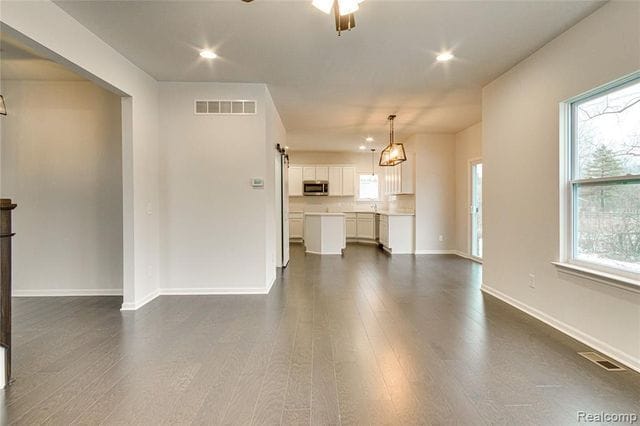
608, 225
607, 134
369, 187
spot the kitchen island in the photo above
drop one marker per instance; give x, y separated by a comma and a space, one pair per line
324, 233
396, 232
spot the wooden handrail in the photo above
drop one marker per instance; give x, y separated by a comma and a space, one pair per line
6, 206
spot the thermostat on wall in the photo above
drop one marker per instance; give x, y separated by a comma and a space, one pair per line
257, 182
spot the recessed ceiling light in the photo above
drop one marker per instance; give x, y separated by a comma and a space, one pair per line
208, 54
444, 57
286, 147
369, 139
362, 147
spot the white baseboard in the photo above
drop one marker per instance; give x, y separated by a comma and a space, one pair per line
67, 292
270, 285
212, 291
467, 256
456, 252
132, 306
435, 252
461, 254
620, 356
326, 253
201, 291
361, 241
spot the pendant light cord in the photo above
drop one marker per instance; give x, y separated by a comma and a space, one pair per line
391, 133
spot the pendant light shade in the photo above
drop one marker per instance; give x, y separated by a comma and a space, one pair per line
3, 108
343, 11
393, 154
343, 7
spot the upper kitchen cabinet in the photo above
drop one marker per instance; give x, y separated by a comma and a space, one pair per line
341, 179
322, 173
400, 179
316, 173
348, 181
335, 180
295, 181
408, 175
308, 173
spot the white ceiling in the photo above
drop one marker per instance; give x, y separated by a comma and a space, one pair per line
18, 62
333, 91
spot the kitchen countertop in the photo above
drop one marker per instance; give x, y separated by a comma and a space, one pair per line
323, 214
382, 212
387, 213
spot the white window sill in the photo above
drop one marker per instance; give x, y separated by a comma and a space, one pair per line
614, 280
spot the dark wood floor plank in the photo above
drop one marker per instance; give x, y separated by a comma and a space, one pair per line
361, 339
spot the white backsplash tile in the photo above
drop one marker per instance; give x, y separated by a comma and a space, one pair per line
398, 203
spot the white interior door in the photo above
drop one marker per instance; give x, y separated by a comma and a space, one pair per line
476, 209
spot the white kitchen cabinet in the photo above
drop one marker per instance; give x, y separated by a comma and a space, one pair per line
322, 173
296, 226
335, 180
400, 179
365, 226
397, 233
295, 181
348, 181
342, 179
383, 230
351, 225
309, 173
408, 175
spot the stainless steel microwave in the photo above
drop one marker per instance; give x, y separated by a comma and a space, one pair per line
316, 187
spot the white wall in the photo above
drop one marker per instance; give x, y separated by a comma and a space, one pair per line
44, 26
468, 147
62, 165
218, 233
435, 192
521, 180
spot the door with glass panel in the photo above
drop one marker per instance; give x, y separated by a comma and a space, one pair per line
476, 209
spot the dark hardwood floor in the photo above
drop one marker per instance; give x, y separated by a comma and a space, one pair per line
359, 339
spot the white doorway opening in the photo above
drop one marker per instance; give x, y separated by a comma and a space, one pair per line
476, 210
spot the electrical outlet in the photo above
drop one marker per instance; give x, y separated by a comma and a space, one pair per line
532, 280
441, 238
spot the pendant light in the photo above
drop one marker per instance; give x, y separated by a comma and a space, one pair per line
3, 107
373, 161
343, 12
394, 153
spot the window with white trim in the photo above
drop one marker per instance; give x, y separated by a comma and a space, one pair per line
604, 179
368, 188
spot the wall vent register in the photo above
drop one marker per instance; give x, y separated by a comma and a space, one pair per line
601, 361
225, 107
